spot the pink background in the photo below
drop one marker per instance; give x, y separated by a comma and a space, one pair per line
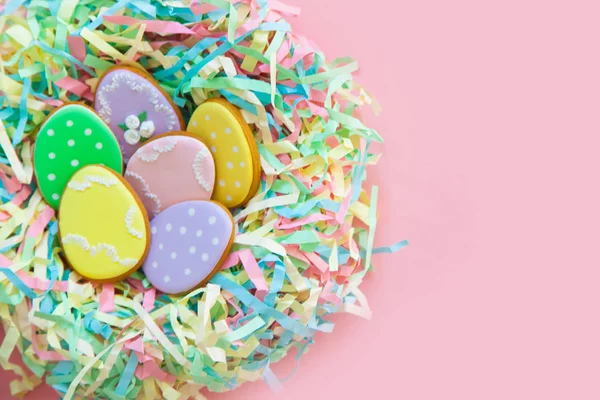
491, 118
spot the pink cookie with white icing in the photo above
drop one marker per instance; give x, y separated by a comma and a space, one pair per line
135, 107
171, 169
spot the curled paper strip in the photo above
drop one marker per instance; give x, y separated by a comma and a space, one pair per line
303, 243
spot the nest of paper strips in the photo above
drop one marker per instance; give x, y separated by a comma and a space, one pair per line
304, 242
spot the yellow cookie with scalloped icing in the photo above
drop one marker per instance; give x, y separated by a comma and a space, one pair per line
103, 226
221, 126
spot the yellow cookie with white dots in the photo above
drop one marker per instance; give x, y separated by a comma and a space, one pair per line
221, 126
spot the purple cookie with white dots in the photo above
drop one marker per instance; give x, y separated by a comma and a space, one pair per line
189, 242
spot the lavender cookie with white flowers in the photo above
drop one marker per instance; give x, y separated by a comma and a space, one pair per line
135, 107
189, 242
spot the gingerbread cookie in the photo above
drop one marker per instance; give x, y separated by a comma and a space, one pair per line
221, 126
170, 169
189, 242
72, 137
104, 229
135, 107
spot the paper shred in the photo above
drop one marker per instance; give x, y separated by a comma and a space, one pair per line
303, 244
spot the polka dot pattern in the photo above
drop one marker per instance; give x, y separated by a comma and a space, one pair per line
191, 239
67, 141
227, 136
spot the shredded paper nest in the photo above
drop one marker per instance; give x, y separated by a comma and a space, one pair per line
303, 244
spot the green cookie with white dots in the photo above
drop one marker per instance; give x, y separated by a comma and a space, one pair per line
72, 137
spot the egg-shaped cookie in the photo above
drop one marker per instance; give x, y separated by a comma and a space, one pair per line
221, 126
170, 169
103, 227
72, 137
189, 242
136, 108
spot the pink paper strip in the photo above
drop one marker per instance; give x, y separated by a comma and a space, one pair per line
72, 85
76, 47
40, 222
10, 184
203, 8
231, 260
148, 301
317, 261
136, 345
160, 27
150, 369
339, 216
42, 284
107, 298
21, 196
302, 221
253, 270
4, 261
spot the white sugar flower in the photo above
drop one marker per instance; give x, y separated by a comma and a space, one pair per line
132, 136
147, 129
132, 122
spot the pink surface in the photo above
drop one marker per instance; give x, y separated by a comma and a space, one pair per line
169, 170
491, 168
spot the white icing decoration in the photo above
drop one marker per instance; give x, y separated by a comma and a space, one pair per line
242, 164
146, 190
74, 163
213, 135
199, 169
229, 165
207, 117
235, 149
192, 249
99, 146
129, 223
50, 132
87, 132
227, 131
55, 196
132, 136
191, 212
132, 121
110, 250
151, 156
161, 246
169, 227
167, 278
182, 230
148, 89
51, 177
147, 129
89, 179
173, 255
198, 233
69, 123
153, 229
221, 182
51, 156
228, 197
212, 220
154, 264
237, 184
215, 241
71, 143
204, 256
187, 271
213, 149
